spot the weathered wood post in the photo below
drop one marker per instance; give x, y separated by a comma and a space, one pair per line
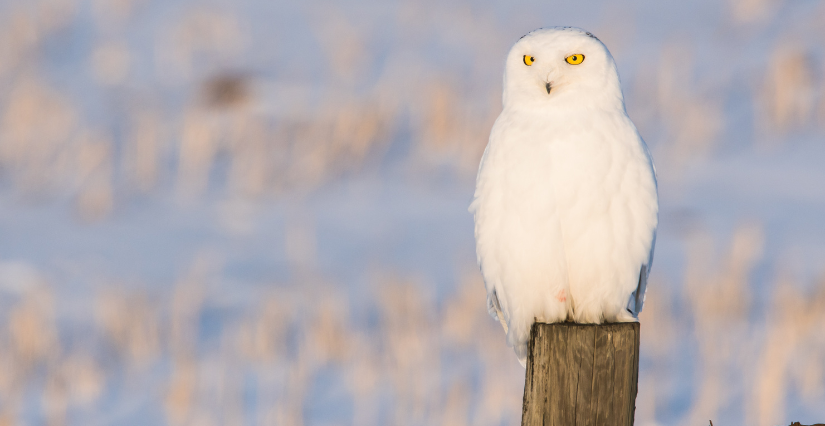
581, 374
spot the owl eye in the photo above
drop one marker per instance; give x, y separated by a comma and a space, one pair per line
528, 60
574, 59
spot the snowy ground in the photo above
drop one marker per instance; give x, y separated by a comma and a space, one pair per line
255, 213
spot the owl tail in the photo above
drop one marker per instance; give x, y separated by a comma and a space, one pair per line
521, 353
494, 308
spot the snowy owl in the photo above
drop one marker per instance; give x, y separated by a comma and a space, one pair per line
566, 203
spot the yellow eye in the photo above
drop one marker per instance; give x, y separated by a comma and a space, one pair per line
528, 60
575, 59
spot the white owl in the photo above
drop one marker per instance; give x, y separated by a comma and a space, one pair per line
566, 204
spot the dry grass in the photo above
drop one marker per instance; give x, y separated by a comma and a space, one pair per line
49, 142
419, 363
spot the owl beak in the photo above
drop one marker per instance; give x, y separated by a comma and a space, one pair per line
548, 86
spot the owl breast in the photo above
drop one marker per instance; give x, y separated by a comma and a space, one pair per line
567, 215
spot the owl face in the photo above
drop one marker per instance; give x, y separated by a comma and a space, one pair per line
554, 66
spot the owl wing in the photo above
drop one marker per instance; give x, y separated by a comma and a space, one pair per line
493, 304
637, 298
490, 273
494, 308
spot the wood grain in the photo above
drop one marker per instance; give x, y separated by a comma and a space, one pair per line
581, 374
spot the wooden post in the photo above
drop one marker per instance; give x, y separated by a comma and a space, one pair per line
581, 374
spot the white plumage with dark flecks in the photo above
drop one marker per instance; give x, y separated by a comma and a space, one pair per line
566, 204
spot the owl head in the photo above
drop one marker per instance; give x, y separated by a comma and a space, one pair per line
561, 67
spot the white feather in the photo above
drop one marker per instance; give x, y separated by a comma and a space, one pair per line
566, 202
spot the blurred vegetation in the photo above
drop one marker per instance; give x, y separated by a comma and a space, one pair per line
101, 108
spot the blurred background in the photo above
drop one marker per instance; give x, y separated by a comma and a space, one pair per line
255, 212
